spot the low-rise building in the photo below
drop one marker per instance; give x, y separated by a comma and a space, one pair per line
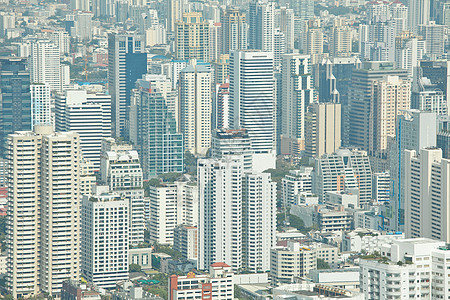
129, 291
218, 284
368, 240
341, 278
347, 198
140, 256
296, 183
74, 290
336, 219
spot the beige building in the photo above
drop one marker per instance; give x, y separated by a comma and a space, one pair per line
391, 96
234, 30
192, 37
44, 211
322, 129
195, 108
295, 260
314, 41
340, 39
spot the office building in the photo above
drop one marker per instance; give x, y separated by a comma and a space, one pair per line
45, 65
322, 129
172, 204
415, 130
252, 105
218, 284
15, 108
426, 194
221, 107
287, 20
127, 62
195, 108
409, 50
297, 93
89, 115
192, 37
104, 253
153, 127
232, 142
303, 9
279, 48
234, 31
412, 268
391, 96
41, 104
356, 133
175, 9
43, 244
261, 26
185, 241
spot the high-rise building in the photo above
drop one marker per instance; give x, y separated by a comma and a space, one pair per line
236, 213
356, 133
232, 142
303, 9
252, 104
426, 96
221, 109
341, 39
287, 20
391, 96
323, 129
261, 25
297, 93
195, 108
82, 5
83, 25
220, 67
41, 113
44, 204
427, 194
433, 34
104, 237
409, 50
295, 184
381, 187
172, 204
192, 37
185, 241
153, 127
45, 65
122, 173
438, 72
418, 14
314, 40
175, 9
127, 62
415, 130
279, 47
89, 115
234, 30
15, 107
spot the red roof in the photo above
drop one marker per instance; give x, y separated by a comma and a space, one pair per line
220, 264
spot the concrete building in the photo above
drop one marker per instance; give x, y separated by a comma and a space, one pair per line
234, 30
89, 115
44, 204
328, 220
104, 253
295, 260
322, 129
185, 240
221, 107
218, 284
195, 108
261, 20
433, 35
346, 198
73, 290
297, 93
426, 96
368, 240
409, 50
341, 39
41, 105
427, 194
295, 184
45, 65
192, 37
232, 142
381, 184
252, 91
408, 270
141, 257
172, 204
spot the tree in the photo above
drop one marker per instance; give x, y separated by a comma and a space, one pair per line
134, 268
296, 222
321, 264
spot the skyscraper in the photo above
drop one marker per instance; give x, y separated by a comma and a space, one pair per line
127, 62
15, 107
195, 108
45, 65
341, 39
314, 41
418, 14
433, 34
192, 37
297, 93
41, 105
157, 139
234, 31
252, 104
44, 203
